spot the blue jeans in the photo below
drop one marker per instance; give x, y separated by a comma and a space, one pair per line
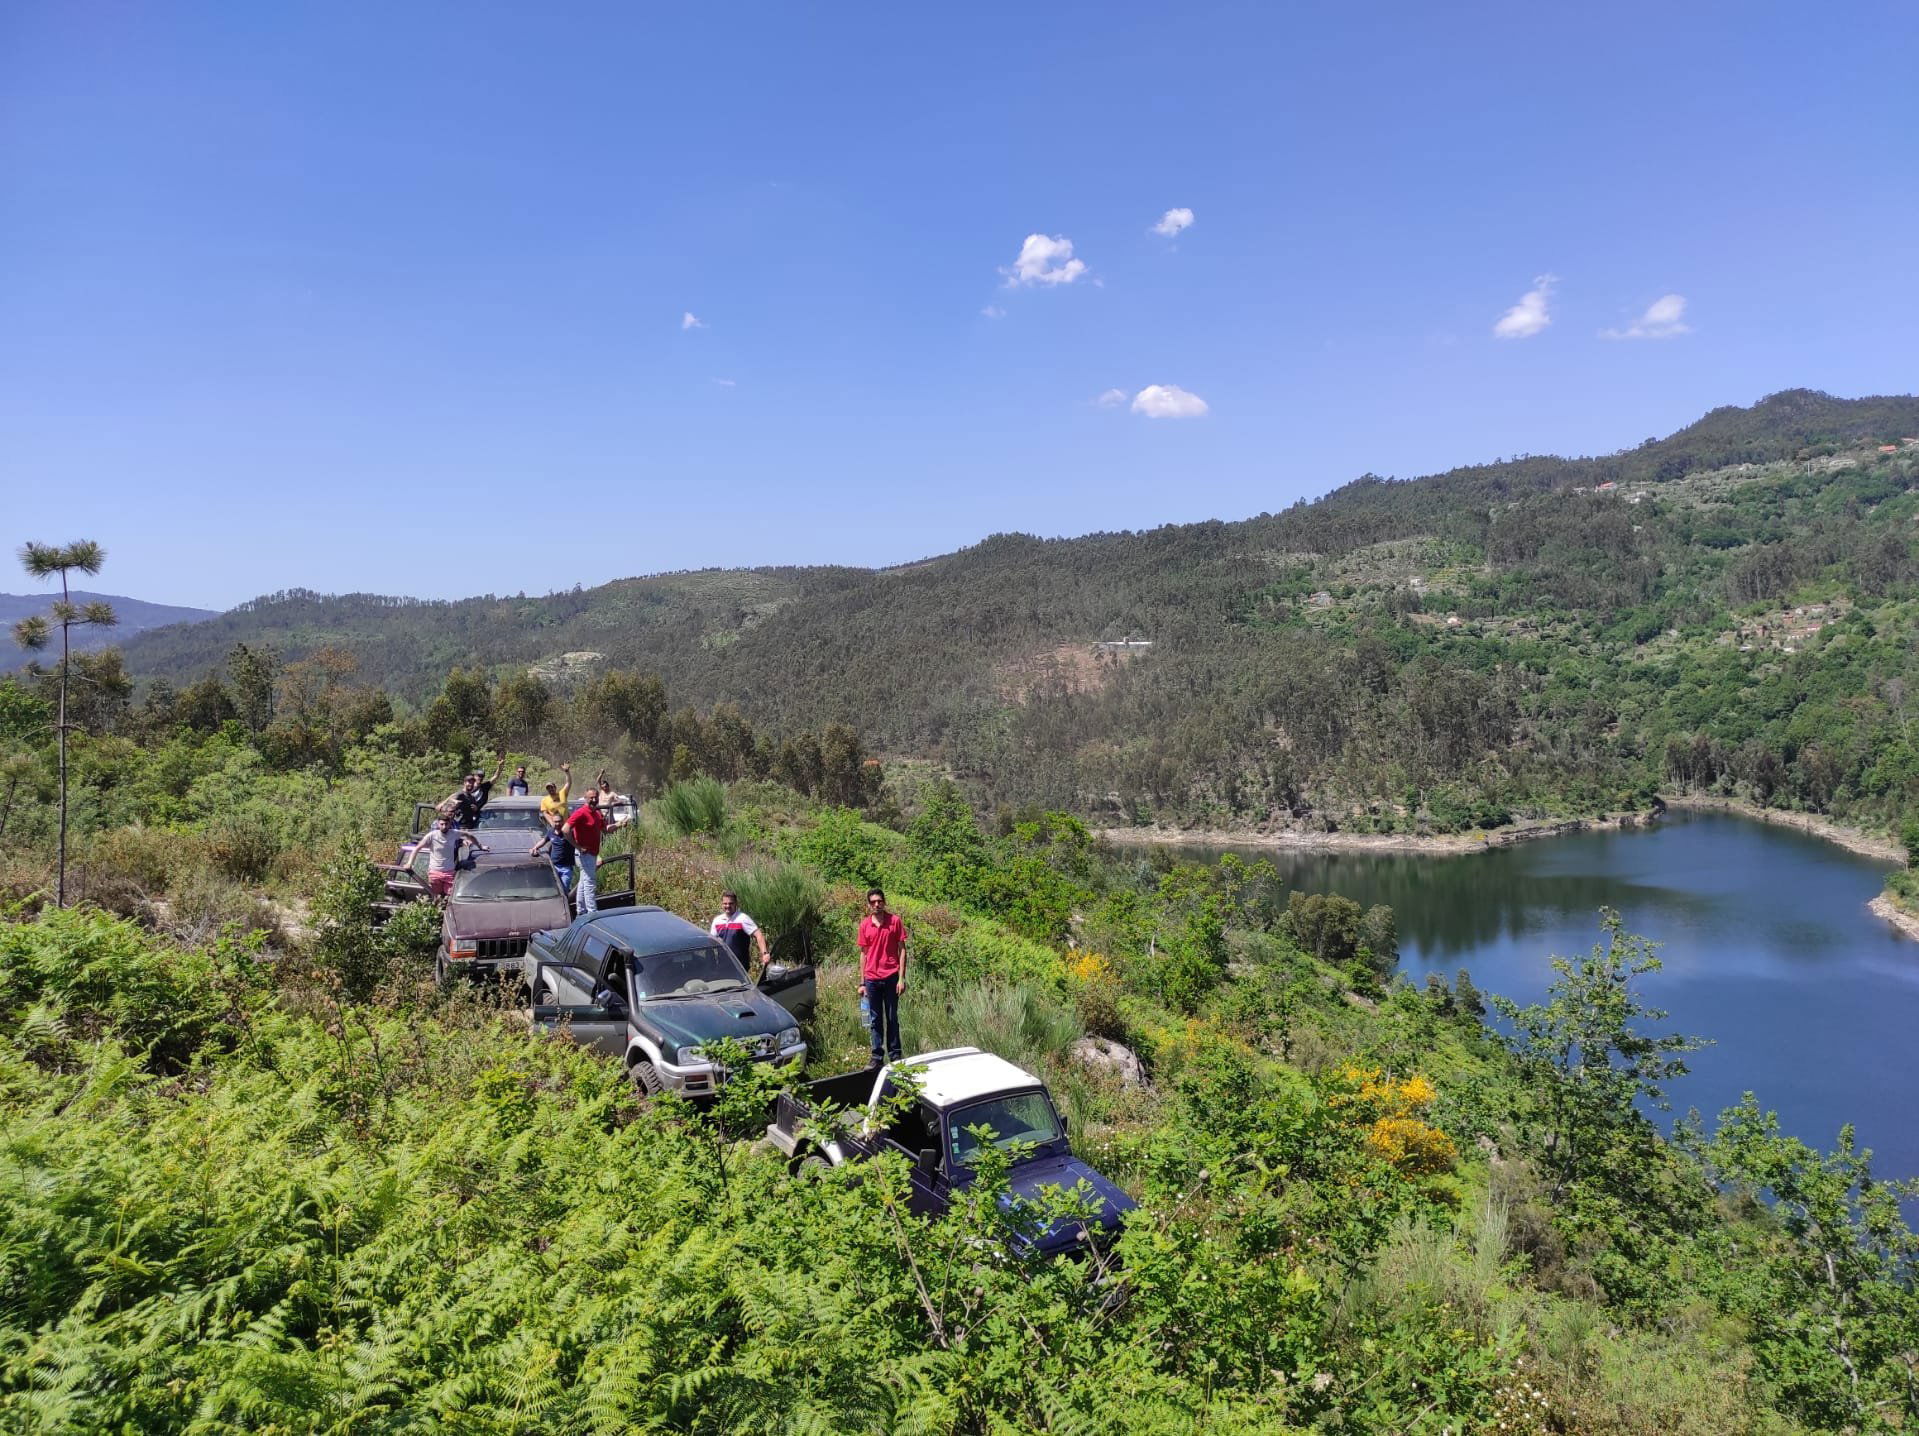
589, 891
883, 1003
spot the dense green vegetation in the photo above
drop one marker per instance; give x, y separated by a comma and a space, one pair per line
257, 1173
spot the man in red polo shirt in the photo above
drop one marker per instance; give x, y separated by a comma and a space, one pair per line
585, 827
882, 940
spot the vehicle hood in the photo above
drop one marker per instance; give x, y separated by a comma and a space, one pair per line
685, 1021
1026, 1179
503, 918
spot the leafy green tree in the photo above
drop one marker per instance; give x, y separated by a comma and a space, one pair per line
42, 561
520, 708
253, 673
458, 720
1587, 1055
1326, 925
945, 847
1833, 1302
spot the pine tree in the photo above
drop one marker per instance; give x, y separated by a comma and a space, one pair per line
43, 561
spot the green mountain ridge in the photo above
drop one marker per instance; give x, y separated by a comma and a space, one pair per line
1345, 658
135, 616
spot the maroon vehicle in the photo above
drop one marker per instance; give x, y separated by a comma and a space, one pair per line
499, 900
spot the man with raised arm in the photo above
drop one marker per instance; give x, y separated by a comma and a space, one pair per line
553, 805
468, 801
443, 844
585, 827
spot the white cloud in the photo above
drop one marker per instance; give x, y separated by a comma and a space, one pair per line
689, 320
1111, 399
727, 383
1173, 221
993, 311
1168, 401
1530, 315
1045, 259
1664, 318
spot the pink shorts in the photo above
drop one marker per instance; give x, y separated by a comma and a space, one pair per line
439, 884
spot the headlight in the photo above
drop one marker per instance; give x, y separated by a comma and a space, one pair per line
686, 1056
789, 1038
465, 947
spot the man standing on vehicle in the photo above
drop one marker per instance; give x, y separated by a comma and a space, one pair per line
882, 940
471, 798
516, 785
443, 846
586, 827
739, 932
553, 805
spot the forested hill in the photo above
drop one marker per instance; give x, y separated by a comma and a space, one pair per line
1538, 634
134, 616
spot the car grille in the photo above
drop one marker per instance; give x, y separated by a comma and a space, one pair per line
764, 1046
497, 948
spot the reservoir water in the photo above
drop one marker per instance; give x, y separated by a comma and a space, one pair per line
1769, 950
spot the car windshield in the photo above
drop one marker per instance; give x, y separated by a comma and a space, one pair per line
522, 882
510, 820
1024, 1117
682, 974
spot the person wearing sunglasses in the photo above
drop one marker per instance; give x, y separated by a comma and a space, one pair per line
882, 940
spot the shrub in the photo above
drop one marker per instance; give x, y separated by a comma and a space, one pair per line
243, 846
961, 948
846, 849
153, 858
104, 977
696, 805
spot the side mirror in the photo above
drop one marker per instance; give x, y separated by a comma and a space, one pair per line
1062, 1124
928, 1161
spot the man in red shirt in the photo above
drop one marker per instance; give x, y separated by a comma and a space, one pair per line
882, 940
585, 827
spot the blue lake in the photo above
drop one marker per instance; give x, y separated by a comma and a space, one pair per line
1769, 950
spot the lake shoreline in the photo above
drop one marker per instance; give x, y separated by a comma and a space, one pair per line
1885, 907
1438, 844
1853, 839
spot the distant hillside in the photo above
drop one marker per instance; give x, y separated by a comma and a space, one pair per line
136, 616
1349, 655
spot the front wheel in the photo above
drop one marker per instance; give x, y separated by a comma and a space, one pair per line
442, 974
812, 1167
645, 1079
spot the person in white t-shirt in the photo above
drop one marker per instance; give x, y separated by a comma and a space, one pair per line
739, 932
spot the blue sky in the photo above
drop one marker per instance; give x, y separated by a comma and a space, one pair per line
393, 298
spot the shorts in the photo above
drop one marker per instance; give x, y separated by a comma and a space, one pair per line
439, 884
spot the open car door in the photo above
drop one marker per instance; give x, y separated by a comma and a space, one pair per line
793, 985
617, 884
423, 816
563, 998
405, 884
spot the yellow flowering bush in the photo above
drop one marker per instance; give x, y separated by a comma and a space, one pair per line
1085, 966
1394, 1110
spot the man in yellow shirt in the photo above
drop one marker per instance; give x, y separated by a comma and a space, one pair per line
553, 805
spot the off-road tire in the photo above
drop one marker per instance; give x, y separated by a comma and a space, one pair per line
812, 1167
645, 1079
